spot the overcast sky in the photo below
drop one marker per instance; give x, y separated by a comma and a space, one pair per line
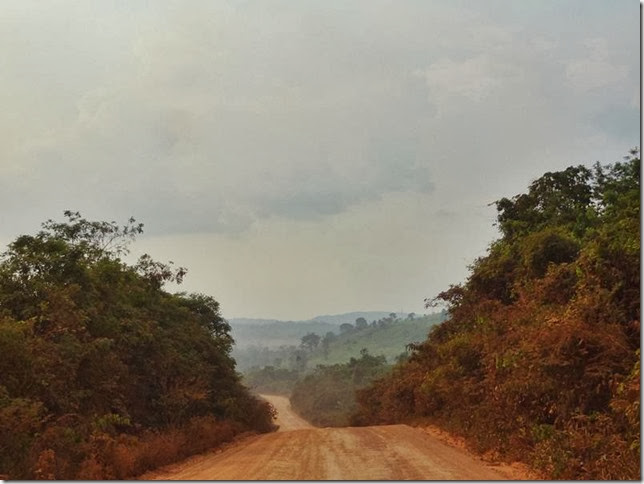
307, 157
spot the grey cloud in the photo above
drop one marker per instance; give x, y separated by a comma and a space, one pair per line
207, 117
262, 136
620, 122
306, 205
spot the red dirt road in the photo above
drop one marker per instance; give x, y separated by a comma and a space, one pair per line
287, 419
299, 451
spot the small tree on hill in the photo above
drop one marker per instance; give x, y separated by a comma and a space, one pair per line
310, 341
329, 338
361, 323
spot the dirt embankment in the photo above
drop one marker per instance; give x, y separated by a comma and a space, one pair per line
302, 452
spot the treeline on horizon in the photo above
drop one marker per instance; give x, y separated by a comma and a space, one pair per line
104, 375
539, 360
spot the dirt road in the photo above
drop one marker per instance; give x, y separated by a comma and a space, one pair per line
302, 452
287, 419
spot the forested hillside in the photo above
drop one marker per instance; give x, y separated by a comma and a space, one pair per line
540, 358
273, 334
277, 369
387, 337
103, 374
316, 343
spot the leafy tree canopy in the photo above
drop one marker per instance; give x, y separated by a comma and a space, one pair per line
93, 347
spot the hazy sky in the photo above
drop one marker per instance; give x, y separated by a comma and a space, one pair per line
307, 157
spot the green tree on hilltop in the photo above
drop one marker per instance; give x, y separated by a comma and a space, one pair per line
361, 323
310, 341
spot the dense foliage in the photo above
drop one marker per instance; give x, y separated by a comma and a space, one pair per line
103, 374
539, 360
326, 397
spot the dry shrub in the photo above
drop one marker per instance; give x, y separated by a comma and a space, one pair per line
104, 456
124, 457
207, 432
547, 390
599, 449
60, 449
558, 287
46, 465
91, 470
551, 454
127, 456
159, 449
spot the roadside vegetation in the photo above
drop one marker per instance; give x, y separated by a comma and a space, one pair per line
539, 360
326, 397
103, 374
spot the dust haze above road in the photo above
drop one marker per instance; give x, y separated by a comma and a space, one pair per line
286, 419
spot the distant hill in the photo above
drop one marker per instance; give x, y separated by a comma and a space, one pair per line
273, 333
388, 339
351, 317
279, 343
252, 321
